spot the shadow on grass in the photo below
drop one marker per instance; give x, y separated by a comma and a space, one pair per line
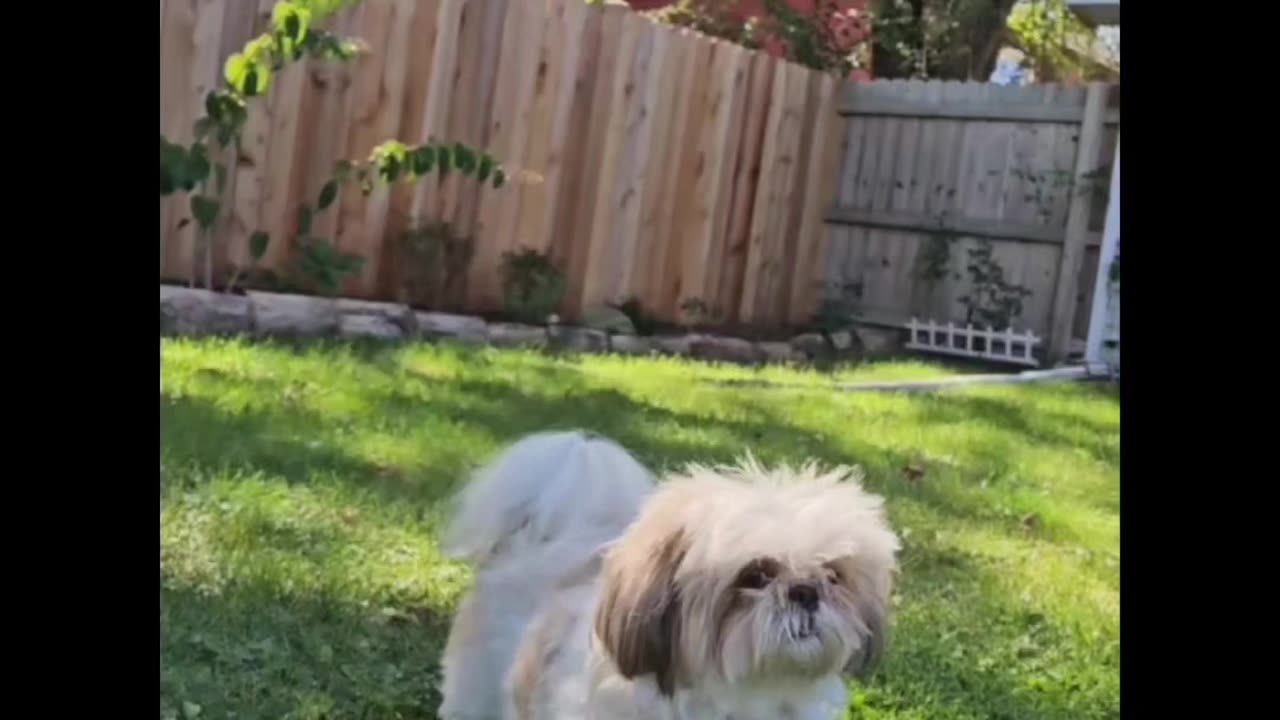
255, 654
260, 652
278, 442
511, 413
196, 432
1034, 424
985, 660
264, 654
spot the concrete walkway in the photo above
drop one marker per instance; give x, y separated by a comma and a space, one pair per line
1064, 374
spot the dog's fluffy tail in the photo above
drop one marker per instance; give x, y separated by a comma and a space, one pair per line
548, 489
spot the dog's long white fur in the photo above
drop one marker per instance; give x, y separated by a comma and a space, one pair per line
600, 596
533, 516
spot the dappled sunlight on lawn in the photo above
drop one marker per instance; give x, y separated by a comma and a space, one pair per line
303, 488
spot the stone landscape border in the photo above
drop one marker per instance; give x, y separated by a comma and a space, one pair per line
194, 312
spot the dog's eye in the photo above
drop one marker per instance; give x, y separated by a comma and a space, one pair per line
757, 575
833, 576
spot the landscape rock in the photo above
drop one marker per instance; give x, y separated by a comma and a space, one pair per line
188, 311
780, 352
578, 339
672, 344
281, 315
719, 348
463, 328
369, 326
608, 319
631, 345
810, 345
399, 315
845, 341
516, 335
881, 342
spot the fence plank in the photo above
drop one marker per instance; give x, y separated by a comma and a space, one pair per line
659, 194
763, 289
1067, 285
826, 151
238, 25
570, 190
672, 292
176, 21
548, 69
204, 18
491, 236
902, 248
626, 277
606, 25
603, 257
745, 178
361, 134
728, 147
712, 154
566, 116
784, 274
672, 166
249, 174
384, 124
527, 35
766, 201
332, 81
401, 213
470, 92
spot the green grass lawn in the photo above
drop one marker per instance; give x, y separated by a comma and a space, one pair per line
302, 489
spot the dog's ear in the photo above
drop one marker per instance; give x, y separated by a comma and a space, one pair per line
874, 617
638, 619
871, 604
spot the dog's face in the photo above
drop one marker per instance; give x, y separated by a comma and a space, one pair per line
744, 576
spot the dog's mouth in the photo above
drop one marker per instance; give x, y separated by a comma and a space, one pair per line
801, 627
802, 647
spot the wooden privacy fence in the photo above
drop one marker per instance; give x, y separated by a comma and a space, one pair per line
670, 166
932, 169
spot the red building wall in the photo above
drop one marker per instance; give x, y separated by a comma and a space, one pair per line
849, 21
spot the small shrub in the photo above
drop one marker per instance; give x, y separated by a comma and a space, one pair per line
696, 313
434, 261
839, 308
645, 323
532, 286
933, 260
257, 249
608, 319
321, 268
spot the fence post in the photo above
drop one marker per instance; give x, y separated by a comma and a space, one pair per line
1079, 205
1106, 255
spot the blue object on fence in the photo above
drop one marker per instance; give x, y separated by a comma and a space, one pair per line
1008, 73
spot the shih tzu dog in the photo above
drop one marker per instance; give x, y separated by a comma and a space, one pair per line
738, 593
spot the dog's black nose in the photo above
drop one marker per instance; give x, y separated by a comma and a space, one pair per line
804, 595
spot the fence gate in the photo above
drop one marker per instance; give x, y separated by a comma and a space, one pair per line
971, 203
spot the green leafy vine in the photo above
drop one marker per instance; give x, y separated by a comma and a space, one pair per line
992, 300
192, 168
